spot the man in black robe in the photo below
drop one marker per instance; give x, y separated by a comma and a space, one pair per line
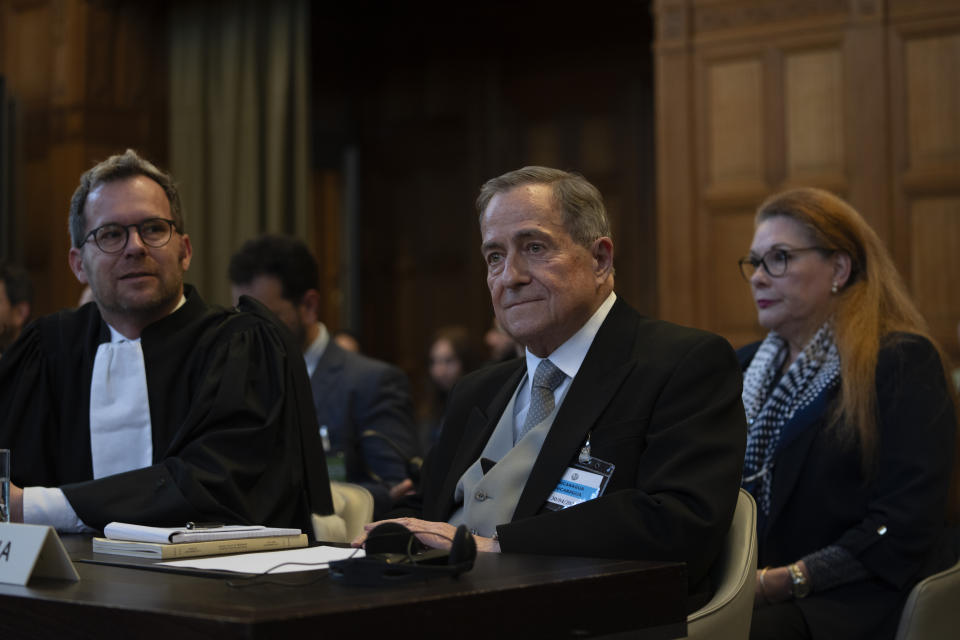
150, 406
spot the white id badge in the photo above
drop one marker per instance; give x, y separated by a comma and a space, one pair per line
585, 480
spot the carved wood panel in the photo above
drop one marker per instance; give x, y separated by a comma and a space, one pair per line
924, 78
935, 256
813, 103
89, 79
858, 97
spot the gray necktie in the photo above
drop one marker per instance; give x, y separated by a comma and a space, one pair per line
546, 379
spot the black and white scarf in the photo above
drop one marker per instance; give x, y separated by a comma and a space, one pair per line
770, 406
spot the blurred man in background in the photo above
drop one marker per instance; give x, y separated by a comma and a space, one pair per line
16, 298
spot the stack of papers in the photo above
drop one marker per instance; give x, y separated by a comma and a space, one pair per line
160, 542
165, 535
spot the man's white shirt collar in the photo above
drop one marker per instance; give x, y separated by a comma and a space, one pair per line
116, 336
315, 351
570, 355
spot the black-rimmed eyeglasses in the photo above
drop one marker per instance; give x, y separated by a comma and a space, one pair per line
774, 262
113, 236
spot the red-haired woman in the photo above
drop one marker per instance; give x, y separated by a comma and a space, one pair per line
851, 426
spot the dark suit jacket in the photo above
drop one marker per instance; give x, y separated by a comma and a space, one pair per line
354, 395
893, 522
661, 402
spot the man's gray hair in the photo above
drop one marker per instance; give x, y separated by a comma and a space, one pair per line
584, 216
120, 167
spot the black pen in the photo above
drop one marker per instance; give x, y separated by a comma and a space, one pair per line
204, 525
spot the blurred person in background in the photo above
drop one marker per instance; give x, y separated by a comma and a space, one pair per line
16, 299
502, 346
363, 406
453, 353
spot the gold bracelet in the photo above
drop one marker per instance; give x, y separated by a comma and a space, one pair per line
763, 586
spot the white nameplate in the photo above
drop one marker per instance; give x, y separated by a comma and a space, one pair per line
28, 550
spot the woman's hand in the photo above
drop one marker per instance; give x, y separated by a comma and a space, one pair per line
774, 584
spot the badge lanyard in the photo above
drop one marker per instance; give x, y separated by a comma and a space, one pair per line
586, 479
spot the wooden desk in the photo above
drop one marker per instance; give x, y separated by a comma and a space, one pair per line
503, 596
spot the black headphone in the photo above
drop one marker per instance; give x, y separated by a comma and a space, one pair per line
392, 558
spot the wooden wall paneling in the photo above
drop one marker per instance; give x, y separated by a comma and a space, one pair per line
932, 65
935, 256
928, 12
859, 97
419, 240
603, 131
598, 151
924, 79
730, 309
89, 79
26, 24
435, 105
775, 123
542, 143
729, 21
736, 92
866, 135
677, 183
44, 85
733, 127
4, 19
814, 115
773, 112
325, 232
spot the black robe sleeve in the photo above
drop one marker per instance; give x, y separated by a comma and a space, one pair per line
231, 417
28, 409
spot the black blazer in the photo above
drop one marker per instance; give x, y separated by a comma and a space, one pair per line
661, 402
893, 521
366, 405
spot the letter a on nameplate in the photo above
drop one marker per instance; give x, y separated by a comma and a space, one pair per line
28, 550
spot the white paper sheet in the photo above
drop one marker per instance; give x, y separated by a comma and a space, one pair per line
314, 557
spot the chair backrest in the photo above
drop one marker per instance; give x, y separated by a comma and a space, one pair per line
728, 613
933, 608
352, 508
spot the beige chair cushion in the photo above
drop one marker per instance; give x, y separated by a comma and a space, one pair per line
933, 609
352, 508
727, 615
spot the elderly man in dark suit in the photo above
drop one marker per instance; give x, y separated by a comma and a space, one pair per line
616, 435
363, 405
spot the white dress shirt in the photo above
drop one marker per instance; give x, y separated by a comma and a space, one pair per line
315, 351
568, 357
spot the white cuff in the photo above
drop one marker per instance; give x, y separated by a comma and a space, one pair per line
48, 505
